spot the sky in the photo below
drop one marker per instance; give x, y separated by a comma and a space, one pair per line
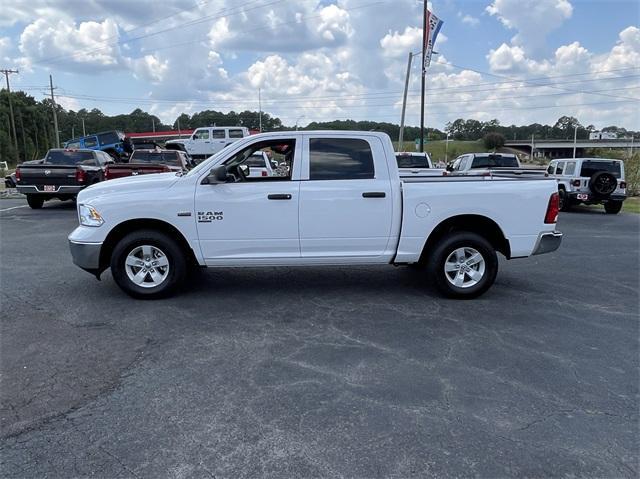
520, 61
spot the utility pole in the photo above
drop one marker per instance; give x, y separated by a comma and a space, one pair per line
84, 133
13, 122
153, 121
55, 114
260, 109
533, 145
404, 102
424, 72
575, 139
73, 131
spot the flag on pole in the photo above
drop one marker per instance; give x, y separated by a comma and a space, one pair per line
433, 28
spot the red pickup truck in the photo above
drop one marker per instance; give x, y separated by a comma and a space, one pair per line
143, 162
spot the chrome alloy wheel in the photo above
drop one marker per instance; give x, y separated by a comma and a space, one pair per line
147, 266
464, 267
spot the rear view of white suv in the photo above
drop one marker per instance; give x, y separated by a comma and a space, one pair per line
590, 181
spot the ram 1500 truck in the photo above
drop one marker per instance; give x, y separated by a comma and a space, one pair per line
61, 174
340, 203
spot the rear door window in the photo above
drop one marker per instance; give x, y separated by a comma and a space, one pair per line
589, 167
108, 138
559, 167
201, 135
90, 142
412, 161
340, 159
235, 133
570, 169
218, 134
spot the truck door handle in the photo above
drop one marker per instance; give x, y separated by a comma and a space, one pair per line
374, 194
280, 196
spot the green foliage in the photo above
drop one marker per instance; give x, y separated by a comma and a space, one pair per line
493, 141
393, 130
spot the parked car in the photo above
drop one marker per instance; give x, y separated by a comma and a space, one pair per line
115, 143
61, 174
260, 164
416, 164
144, 144
10, 180
591, 181
341, 203
206, 141
143, 162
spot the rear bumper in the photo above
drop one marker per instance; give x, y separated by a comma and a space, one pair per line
573, 195
60, 190
86, 255
547, 242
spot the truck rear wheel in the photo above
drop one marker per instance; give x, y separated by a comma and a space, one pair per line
463, 265
35, 202
613, 207
148, 264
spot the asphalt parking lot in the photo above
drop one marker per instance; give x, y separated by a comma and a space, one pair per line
353, 372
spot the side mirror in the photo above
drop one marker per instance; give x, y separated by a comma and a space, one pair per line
449, 168
216, 175
245, 170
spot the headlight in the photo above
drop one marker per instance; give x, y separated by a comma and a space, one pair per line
89, 216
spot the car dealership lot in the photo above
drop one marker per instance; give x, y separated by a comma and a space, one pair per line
355, 371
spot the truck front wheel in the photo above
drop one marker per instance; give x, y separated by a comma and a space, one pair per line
463, 265
148, 264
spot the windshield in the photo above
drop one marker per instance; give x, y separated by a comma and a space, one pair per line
412, 161
495, 161
157, 157
591, 167
62, 157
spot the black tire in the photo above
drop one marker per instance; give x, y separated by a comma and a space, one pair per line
446, 247
177, 264
565, 201
602, 184
35, 202
612, 207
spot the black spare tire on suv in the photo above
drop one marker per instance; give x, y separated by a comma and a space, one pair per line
602, 184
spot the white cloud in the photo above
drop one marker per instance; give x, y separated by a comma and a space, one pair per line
470, 20
89, 44
533, 19
149, 68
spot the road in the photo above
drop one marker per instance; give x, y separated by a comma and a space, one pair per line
353, 372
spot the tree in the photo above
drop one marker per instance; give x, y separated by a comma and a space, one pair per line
493, 141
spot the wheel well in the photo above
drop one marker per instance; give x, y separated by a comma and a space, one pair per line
126, 227
478, 224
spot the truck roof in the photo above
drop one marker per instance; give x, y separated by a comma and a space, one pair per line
380, 134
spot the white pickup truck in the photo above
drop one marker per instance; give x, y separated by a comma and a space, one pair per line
209, 140
341, 202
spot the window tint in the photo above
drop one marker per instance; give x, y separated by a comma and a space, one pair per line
550, 168
108, 138
412, 161
280, 152
571, 168
201, 135
494, 161
73, 144
340, 159
90, 142
235, 134
559, 167
218, 134
589, 167
63, 157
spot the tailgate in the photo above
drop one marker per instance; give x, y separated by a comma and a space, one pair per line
133, 169
40, 175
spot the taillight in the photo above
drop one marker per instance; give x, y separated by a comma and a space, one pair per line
106, 173
81, 175
264, 173
623, 185
552, 209
18, 174
575, 182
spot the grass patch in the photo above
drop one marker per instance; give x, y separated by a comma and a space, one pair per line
436, 149
632, 205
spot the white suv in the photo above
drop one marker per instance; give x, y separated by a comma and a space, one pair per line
590, 181
206, 141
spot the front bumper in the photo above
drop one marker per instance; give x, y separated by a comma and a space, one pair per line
548, 242
60, 190
86, 255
